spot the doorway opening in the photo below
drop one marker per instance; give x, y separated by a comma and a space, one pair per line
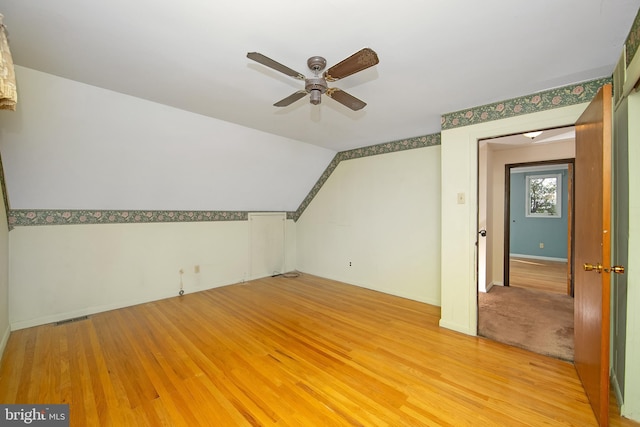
538, 227
525, 186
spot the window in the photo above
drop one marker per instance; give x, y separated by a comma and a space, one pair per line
544, 196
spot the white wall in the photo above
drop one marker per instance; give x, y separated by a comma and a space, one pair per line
74, 146
484, 166
4, 278
459, 221
60, 272
380, 214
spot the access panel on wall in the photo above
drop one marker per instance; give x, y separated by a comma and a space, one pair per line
266, 244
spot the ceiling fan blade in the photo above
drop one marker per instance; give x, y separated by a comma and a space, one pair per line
264, 60
357, 62
345, 99
291, 98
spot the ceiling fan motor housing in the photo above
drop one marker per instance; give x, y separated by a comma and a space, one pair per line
316, 86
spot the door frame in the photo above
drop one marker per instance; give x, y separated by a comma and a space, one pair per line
459, 167
570, 213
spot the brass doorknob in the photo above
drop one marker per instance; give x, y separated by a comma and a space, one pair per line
592, 267
618, 269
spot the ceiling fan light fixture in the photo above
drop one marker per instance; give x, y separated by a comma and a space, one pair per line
532, 135
315, 95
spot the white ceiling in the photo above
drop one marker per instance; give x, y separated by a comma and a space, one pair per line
435, 56
546, 136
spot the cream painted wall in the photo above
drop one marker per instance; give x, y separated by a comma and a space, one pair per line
631, 406
382, 215
290, 246
500, 158
60, 272
4, 278
459, 221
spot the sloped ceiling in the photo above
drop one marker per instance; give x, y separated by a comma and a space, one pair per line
435, 56
168, 66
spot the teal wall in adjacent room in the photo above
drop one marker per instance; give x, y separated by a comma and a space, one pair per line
527, 233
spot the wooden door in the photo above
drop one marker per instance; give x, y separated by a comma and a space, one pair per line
593, 251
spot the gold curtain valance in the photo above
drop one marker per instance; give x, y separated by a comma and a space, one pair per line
8, 91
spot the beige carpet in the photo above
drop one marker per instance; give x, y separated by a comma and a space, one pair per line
534, 320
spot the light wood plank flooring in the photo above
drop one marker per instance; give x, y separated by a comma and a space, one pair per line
288, 352
541, 275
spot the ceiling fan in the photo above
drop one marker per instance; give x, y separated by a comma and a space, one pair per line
317, 85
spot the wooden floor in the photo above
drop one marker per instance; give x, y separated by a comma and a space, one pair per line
287, 352
541, 275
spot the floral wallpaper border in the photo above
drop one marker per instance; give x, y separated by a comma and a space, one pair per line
26, 217
554, 98
372, 150
633, 40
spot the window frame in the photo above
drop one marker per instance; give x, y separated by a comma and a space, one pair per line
558, 204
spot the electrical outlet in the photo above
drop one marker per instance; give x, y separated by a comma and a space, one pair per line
541, 245
349, 263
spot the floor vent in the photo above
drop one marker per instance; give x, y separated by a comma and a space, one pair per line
75, 319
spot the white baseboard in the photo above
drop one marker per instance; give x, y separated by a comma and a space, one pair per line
492, 284
4, 341
85, 311
464, 329
22, 324
616, 388
544, 258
